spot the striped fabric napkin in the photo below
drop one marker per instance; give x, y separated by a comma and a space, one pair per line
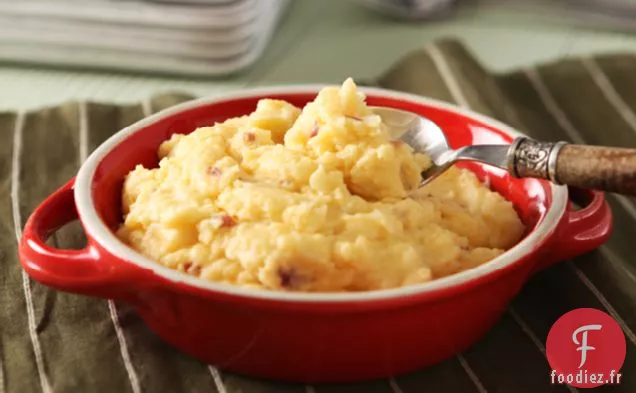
54, 342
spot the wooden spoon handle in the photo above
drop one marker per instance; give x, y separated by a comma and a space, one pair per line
610, 169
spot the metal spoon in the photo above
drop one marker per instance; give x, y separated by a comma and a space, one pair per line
604, 168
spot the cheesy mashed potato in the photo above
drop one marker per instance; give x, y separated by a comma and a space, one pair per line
318, 199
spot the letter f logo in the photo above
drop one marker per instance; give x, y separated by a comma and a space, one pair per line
583, 344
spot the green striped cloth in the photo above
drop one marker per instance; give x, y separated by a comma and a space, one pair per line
54, 342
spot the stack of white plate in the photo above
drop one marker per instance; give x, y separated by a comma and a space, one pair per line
196, 37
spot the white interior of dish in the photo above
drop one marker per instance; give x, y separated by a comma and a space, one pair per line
97, 229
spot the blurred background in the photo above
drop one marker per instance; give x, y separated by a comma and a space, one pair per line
125, 50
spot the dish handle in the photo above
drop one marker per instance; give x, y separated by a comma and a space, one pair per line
582, 230
82, 271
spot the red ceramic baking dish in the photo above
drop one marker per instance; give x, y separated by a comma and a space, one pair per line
299, 336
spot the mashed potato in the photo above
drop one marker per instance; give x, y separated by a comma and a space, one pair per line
318, 199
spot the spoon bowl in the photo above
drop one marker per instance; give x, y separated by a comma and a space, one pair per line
422, 135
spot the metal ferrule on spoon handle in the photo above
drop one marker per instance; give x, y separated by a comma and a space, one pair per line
610, 169
530, 158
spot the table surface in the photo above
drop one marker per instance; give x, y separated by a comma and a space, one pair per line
325, 42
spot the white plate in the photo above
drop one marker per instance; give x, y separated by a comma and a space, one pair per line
206, 35
84, 38
136, 12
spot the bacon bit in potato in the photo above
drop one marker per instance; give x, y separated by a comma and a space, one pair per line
314, 131
228, 221
224, 221
397, 143
214, 171
353, 118
191, 268
249, 137
289, 277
